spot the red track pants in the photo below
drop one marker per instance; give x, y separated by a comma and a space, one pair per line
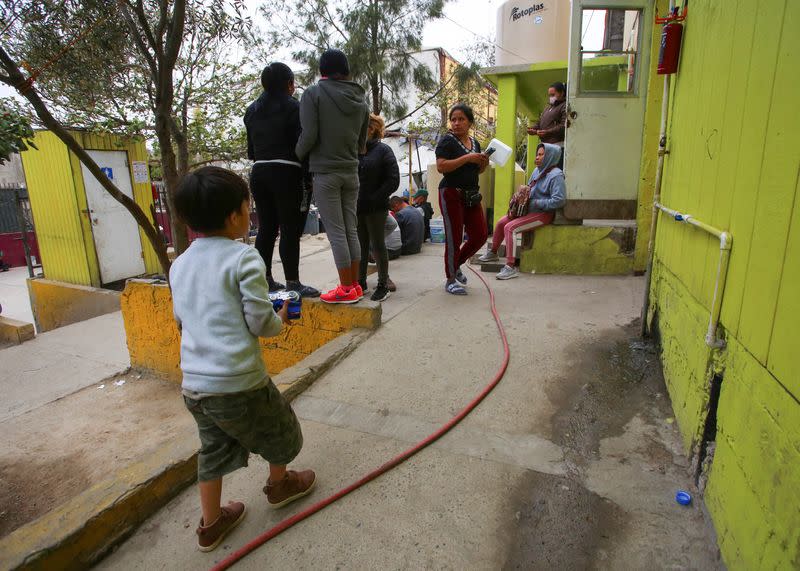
506, 228
458, 217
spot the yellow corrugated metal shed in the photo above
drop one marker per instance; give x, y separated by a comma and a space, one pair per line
58, 200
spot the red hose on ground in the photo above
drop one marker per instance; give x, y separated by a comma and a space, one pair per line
297, 518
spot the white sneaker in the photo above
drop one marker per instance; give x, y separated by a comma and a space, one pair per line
507, 273
489, 256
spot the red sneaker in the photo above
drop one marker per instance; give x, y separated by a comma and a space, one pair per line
340, 295
359, 290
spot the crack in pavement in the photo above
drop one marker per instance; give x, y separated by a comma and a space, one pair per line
523, 450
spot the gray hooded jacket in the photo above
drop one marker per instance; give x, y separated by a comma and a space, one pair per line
334, 117
550, 191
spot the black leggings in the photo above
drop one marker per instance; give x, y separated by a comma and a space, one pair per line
278, 192
370, 231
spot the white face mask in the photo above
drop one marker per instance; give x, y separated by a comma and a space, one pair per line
552, 100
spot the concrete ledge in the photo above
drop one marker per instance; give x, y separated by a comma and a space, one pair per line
81, 531
295, 379
15, 332
77, 533
56, 304
154, 340
581, 250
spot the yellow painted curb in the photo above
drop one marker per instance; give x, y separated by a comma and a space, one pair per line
56, 304
154, 340
14, 331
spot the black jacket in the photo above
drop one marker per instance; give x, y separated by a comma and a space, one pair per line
273, 127
378, 177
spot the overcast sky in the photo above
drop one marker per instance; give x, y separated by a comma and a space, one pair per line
478, 16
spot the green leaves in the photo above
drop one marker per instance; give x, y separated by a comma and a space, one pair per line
105, 82
16, 133
378, 36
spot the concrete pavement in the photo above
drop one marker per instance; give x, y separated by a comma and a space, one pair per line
60, 362
14, 294
571, 462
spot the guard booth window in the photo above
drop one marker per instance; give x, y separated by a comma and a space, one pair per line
609, 51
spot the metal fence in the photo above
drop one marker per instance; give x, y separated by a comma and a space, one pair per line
161, 212
16, 217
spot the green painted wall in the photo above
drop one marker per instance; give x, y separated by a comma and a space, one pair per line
579, 250
734, 136
504, 177
647, 169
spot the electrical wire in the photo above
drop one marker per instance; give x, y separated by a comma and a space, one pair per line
484, 38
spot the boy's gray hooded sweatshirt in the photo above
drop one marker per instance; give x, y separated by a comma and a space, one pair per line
334, 117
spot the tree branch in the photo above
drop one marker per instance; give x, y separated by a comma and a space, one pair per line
47, 119
175, 33
333, 23
148, 33
137, 38
162, 25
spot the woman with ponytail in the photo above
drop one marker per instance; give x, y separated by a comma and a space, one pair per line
279, 183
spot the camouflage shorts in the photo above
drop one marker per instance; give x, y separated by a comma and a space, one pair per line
232, 426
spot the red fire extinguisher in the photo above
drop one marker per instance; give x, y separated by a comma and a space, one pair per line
671, 37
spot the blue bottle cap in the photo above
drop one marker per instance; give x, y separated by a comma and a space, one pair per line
683, 498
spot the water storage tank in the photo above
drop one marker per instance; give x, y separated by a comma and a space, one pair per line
532, 31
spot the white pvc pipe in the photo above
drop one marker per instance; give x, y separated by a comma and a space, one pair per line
662, 144
725, 245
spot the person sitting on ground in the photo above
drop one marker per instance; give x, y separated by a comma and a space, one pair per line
412, 225
421, 202
552, 124
221, 305
394, 240
334, 117
378, 178
547, 194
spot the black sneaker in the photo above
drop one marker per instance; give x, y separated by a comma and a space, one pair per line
381, 293
303, 290
273, 285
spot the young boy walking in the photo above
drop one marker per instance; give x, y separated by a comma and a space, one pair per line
221, 303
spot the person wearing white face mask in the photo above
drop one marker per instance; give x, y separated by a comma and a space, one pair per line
552, 124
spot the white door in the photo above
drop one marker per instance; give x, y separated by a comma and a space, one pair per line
608, 65
116, 234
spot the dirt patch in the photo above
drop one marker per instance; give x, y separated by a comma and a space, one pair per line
53, 453
611, 379
31, 487
559, 524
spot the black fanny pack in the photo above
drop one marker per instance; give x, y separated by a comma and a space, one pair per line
471, 196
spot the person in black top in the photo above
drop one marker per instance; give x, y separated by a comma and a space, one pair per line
459, 159
421, 202
280, 184
378, 178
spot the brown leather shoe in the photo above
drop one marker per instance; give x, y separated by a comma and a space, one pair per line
390, 285
209, 537
293, 487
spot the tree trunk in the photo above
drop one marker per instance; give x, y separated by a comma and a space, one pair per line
165, 98
153, 236
375, 88
171, 176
